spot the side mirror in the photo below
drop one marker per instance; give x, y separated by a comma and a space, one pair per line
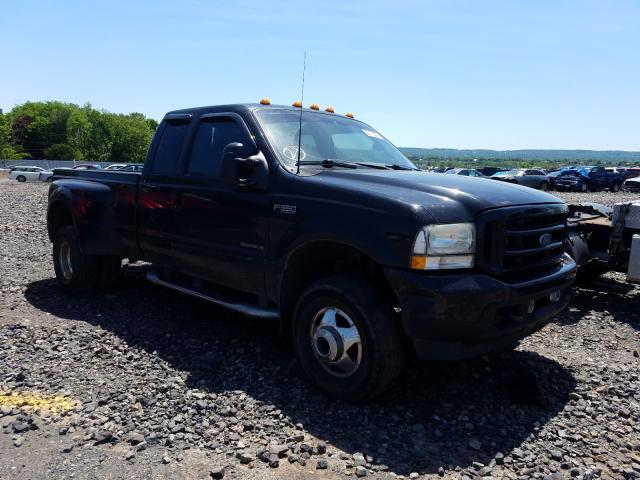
249, 173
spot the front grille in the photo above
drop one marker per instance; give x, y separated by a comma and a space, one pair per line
516, 242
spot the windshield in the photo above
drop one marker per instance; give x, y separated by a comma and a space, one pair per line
327, 136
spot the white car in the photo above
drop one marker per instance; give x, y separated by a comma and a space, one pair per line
116, 166
632, 185
27, 172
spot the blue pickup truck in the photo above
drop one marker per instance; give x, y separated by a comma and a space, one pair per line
589, 178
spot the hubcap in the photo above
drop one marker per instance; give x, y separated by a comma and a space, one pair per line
64, 259
336, 342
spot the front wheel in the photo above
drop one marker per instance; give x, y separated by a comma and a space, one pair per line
347, 338
615, 188
544, 186
21, 178
583, 187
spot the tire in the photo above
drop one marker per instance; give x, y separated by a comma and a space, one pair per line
21, 178
50, 180
544, 186
615, 188
375, 361
75, 272
583, 187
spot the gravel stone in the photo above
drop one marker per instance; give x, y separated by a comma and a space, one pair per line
217, 472
361, 471
174, 377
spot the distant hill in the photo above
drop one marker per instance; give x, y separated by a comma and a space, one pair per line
569, 156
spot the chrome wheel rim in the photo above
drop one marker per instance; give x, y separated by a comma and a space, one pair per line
335, 341
64, 259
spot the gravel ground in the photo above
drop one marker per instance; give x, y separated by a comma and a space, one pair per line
163, 386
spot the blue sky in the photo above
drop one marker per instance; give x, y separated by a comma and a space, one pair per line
461, 74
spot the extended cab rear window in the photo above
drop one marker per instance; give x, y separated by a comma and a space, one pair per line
170, 145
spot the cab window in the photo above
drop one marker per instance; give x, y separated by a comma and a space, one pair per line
213, 135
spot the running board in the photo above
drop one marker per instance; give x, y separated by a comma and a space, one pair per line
244, 308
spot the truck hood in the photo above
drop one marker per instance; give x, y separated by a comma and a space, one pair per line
447, 198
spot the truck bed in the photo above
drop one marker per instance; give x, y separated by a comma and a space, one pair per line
105, 206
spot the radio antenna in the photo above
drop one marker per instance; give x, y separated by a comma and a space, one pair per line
304, 68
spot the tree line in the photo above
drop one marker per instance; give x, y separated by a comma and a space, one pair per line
66, 131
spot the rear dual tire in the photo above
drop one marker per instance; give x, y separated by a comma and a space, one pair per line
347, 338
80, 273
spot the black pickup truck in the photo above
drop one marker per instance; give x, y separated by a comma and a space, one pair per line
315, 220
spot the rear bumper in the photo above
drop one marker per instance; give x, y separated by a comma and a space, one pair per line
454, 316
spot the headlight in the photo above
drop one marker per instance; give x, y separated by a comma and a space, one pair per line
447, 246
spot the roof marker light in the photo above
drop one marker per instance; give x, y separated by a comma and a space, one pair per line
314, 106
265, 101
297, 104
329, 109
350, 115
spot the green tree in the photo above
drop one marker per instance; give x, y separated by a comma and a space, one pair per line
62, 151
36, 127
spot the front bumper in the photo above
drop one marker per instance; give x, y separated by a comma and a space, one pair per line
454, 316
569, 184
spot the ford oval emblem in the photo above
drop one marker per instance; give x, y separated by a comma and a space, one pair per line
545, 239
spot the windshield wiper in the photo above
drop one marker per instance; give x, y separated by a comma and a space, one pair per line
395, 166
379, 166
328, 163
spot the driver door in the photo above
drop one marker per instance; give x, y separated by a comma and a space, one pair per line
221, 230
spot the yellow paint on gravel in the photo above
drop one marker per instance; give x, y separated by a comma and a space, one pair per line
36, 401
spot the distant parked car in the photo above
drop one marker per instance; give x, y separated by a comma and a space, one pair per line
133, 167
633, 172
632, 185
553, 176
625, 172
27, 172
441, 169
589, 178
116, 166
46, 176
468, 172
87, 166
528, 177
